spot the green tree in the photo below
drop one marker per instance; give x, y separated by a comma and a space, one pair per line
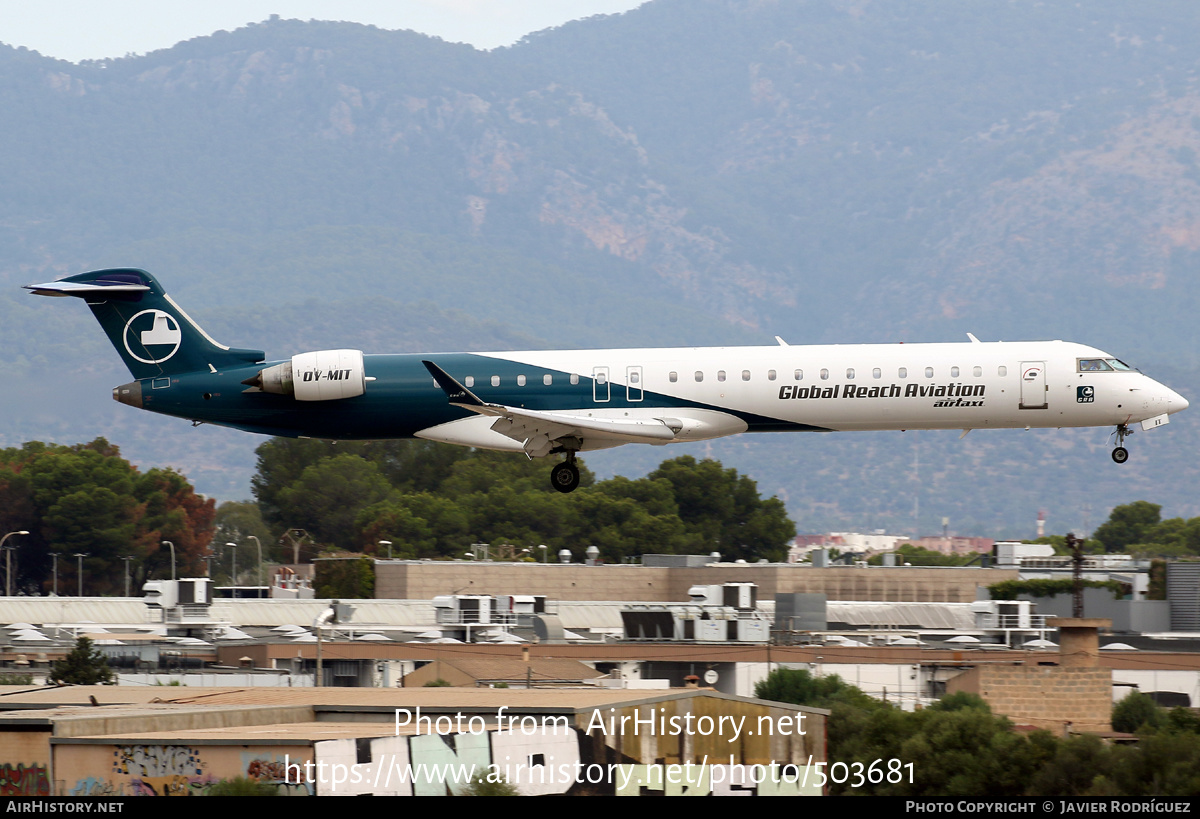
236, 522
329, 495
799, 687
725, 511
419, 525
1163, 763
1128, 524
88, 499
353, 496
173, 511
920, 556
1079, 766
349, 577
1134, 711
84, 665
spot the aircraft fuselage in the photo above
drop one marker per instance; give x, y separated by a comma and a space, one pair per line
567, 401
824, 388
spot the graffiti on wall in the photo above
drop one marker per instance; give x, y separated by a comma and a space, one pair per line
161, 770
91, 786
288, 780
23, 780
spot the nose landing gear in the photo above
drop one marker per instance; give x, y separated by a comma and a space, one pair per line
1121, 454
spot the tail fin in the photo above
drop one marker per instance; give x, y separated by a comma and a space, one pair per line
152, 333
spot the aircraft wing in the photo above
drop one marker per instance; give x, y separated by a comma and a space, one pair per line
538, 430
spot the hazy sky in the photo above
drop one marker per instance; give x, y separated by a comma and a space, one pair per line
88, 29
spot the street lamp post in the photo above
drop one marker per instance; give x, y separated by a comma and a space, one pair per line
79, 556
55, 556
172, 545
127, 558
260, 577
8, 561
387, 543
233, 578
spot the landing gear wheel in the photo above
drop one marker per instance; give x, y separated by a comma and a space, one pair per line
1121, 454
564, 477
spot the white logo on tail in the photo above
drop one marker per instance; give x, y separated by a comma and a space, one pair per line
159, 331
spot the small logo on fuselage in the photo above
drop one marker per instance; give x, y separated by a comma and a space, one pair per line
155, 335
1085, 395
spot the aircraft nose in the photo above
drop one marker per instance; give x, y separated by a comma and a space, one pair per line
1173, 401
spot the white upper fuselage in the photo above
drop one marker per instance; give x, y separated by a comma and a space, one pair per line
964, 385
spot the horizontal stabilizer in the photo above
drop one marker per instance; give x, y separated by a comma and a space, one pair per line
84, 289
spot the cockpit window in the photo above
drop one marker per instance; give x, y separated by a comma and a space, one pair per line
1104, 365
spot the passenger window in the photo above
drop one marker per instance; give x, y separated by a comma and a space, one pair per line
902, 372
770, 375
1002, 370
673, 376
824, 374
469, 381
547, 379
929, 372
520, 381
574, 378
634, 378
954, 372
850, 373
720, 375
799, 375
745, 375
602, 378
699, 376
876, 373
495, 381
977, 371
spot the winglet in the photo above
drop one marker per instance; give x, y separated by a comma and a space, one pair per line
782, 343
973, 339
455, 392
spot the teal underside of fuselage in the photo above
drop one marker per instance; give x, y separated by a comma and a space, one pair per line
402, 400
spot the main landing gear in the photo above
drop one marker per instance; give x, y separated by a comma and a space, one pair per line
565, 476
1121, 454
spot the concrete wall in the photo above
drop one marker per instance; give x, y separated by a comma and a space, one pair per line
25, 764
1051, 697
426, 579
91, 768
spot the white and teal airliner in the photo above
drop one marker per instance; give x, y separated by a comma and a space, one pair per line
567, 401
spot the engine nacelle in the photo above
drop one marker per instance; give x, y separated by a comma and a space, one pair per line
325, 375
